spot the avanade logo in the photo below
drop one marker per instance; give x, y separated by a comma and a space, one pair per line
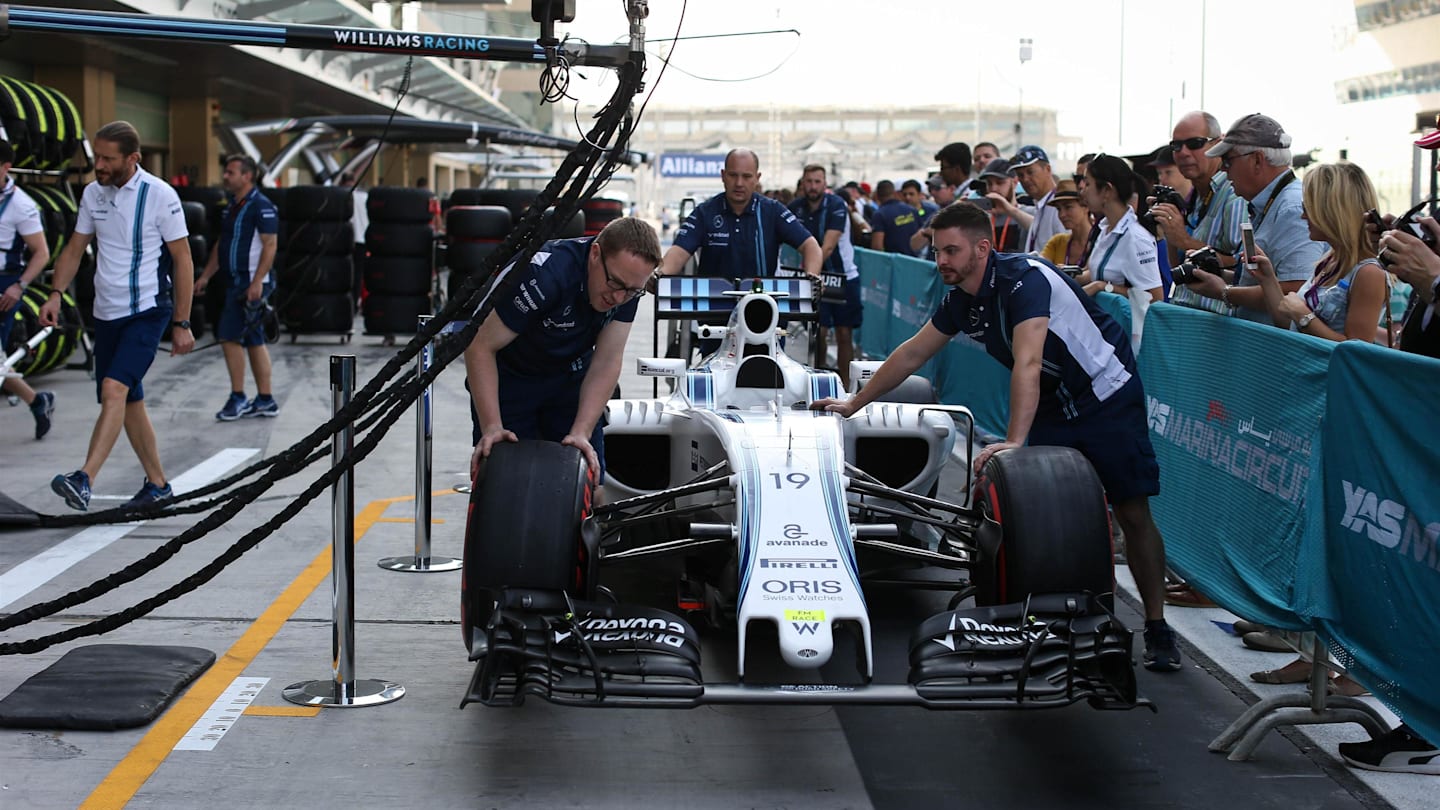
1390, 524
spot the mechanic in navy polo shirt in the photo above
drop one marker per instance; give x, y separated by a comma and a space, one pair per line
547, 358
827, 218
1073, 383
738, 232
143, 281
899, 219
247, 253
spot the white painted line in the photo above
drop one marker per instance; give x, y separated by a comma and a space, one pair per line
24, 578
222, 714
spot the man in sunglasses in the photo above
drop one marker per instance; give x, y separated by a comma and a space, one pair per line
1213, 212
547, 358
1255, 154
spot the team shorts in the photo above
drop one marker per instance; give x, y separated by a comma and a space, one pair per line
850, 313
125, 348
1116, 441
241, 321
7, 318
543, 408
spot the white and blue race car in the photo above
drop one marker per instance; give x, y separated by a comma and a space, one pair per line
767, 513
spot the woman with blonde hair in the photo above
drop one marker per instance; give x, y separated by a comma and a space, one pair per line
1345, 297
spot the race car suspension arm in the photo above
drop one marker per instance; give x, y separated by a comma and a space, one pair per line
667, 547
132, 25
879, 490
708, 479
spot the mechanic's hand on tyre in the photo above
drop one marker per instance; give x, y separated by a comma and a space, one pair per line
50, 311
836, 406
487, 441
990, 450
582, 443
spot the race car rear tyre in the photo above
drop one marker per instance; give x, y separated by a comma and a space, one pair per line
1054, 536
524, 530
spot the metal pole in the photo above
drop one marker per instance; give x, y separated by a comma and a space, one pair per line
422, 562
342, 690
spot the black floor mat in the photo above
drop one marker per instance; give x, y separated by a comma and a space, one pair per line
14, 514
104, 687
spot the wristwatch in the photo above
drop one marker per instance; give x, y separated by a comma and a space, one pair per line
1109, 287
1304, 321
181, 324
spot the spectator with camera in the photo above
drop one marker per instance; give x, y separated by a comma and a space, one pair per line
1255, 154
1212, 213
999, 200
1344, 297
1411, 250
1124, 258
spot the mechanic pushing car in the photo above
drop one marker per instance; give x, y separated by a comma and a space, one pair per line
1073, 383
545, 361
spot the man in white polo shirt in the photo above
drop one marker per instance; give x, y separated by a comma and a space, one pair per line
142, 264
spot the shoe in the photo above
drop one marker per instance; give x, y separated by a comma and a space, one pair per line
1161, 653
1243, 626
42, 409
74, 488
148, 494
1266, 641
1187, 597
234, 406
1400, 750
260, 407
1346, 686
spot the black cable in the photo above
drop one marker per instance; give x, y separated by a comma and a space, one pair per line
521, 243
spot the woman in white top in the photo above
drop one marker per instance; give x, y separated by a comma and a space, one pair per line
1345, 297
1124, 259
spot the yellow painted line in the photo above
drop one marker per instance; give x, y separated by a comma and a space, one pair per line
407, 520
282, 711
127, 777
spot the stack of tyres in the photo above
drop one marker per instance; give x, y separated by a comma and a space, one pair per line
54, 350
400, 268
472, 232
318, 245
41, 123
58, 210
600, 212
204, 311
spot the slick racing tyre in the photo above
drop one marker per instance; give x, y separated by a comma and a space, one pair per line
319, 204
395, 314
400, 240
527, 508
1053, 534
517, 200
399, 204
398, 275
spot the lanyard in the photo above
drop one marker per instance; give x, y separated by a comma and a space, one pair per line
1035, 225
1284, 181
1104, 260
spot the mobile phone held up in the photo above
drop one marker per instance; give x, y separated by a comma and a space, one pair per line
1247, 235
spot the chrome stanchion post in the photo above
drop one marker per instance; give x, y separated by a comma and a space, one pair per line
342, 690
422, 562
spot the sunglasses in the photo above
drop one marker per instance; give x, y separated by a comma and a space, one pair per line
614, 284
1193, 144
1230, 157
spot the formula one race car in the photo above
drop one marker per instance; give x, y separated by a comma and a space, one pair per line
770, 513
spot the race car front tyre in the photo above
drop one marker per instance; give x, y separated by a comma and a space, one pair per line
1053, 533
524, 532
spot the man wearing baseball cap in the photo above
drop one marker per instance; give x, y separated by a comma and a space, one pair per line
1009, 232
1255, 155
1032, 167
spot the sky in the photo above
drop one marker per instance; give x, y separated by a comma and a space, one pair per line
1271, 56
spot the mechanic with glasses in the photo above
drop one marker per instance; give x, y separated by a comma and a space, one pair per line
1213, 212
547, 358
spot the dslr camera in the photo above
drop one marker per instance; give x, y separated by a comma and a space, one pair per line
1162, 194
1203, 259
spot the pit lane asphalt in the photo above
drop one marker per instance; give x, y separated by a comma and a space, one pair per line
421, 750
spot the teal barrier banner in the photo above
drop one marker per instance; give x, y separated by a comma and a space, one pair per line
1378, 603
1117, 307
915, 293
1235, 415
876, 270
967, 375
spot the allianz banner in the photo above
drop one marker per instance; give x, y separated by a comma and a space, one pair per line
691, 164
1380, 608
1235, 414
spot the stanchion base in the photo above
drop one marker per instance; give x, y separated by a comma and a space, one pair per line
463, 489
420, 565
328, 693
